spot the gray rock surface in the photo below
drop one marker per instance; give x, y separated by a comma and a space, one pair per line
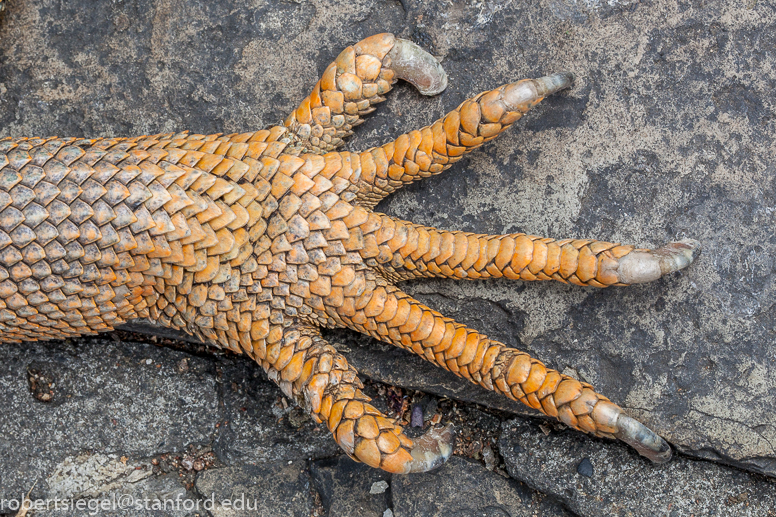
281, 488
461, 488
118, 400
667, 133
118, 410
598, 479
349, 488
134, 497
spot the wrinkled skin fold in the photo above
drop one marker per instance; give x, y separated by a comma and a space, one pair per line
255, 241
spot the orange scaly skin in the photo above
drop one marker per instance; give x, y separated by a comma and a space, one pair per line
255, 241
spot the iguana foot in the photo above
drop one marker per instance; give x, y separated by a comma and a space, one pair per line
255, 241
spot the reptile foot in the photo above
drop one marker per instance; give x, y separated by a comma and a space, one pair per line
255, 241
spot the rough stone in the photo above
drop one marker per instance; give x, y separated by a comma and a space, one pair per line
120, 400
620, 483
280, 488
116, 406
667, 134
141, 498
585, 468
349, 488
461, 488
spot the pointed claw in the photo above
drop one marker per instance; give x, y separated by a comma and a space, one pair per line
678, 255
553, 83
416, 66
644, 266
432, 449
611, 419
643, 439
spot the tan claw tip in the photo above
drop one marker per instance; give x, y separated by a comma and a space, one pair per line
553, 83
432, 449
519, 95
416, 66
644, 266
643, 439
680, 254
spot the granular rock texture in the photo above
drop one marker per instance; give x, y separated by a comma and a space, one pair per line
590, 479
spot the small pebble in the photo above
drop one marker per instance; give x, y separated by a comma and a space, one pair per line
417, 416
379, 487
183, 365
489, 456
585, 468
388, 513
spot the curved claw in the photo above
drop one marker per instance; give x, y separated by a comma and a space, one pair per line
416, 66
644, 266
611, 419
432, 449
643, 439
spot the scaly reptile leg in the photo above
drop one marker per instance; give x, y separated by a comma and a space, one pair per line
390, 315
432, 149
251, 244
313, 373
354, 83
404, 250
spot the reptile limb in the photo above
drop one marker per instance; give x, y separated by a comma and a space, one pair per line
403, 251
255, 241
